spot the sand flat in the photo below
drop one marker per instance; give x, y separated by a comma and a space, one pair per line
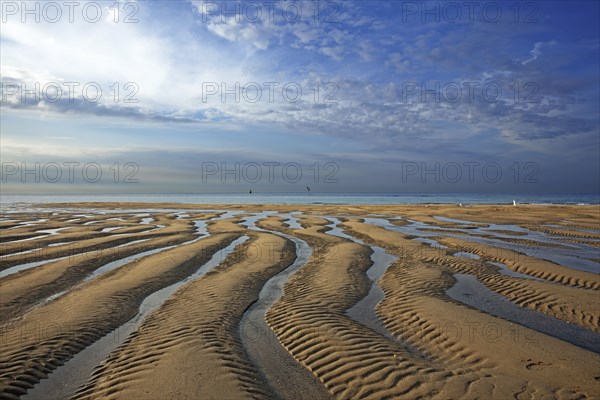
194, 338
190, 347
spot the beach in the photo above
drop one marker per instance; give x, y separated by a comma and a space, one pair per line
211, 301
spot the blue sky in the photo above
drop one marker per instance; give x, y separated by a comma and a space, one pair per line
525, 119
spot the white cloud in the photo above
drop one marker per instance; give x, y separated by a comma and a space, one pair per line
536, 52
168, 65
333, 52
171, 64
233, 31
366, 50
308, 32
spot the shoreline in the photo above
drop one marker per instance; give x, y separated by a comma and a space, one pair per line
465, 204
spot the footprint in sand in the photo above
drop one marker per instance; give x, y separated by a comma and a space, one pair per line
536, 365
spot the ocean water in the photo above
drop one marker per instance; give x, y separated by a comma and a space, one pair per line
308, 198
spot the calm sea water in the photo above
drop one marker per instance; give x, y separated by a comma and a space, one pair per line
309, 198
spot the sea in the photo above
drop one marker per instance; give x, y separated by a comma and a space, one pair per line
306, 198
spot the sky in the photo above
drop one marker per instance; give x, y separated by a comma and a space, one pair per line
275, 96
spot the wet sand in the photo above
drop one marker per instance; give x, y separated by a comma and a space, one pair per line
459, 308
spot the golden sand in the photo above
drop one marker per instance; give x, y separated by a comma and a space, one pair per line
190, 347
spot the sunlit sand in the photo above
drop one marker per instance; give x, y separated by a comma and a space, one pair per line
116, 300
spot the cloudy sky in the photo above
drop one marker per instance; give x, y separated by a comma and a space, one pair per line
369, 96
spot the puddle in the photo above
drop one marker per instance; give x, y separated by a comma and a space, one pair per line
125, 260
51, 232
458, 221
430, 242
250, 222
63, 382
34, 222
582, 230
134, 242
47, 232
504, 270
571, 255
156, 228
469, 290
113, 228
201, 227
23, 267
200, 230
51, 298
20, 253
291, 221
465, 254
364, 311
280, 370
